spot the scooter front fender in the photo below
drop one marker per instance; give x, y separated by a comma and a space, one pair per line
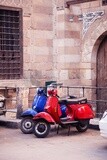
84, 111
29, 112
44, 115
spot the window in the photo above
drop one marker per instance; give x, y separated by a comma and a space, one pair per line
10, 44
104, 2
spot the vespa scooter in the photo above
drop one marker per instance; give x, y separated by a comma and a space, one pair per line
38, 104
78, 114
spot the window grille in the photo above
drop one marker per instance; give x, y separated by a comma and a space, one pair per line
10, 44
104, 2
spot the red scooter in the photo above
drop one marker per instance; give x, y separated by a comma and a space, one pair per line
78, 113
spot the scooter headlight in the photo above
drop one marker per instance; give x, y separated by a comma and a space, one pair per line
40, 91
52, 92
105, 114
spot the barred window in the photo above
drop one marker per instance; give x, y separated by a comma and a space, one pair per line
10, 43
104, 2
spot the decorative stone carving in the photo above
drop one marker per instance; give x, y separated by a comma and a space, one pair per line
9, 2
88, 19
1, 1
16, 3
25, 4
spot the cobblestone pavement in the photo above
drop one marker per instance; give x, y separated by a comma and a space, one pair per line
15, 145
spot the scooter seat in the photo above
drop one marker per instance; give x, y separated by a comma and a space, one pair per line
77, 100
63, 101
80, 100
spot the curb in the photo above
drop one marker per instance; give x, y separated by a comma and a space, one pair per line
14, 124
92, 126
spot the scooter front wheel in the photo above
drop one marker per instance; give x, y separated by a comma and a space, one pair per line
82, 125
41, 128
27, 125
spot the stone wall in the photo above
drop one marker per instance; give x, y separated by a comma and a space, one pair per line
37, 41
59, 43
79, 28
37, 45
40, 34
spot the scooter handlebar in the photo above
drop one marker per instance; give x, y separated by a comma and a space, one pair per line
56, 84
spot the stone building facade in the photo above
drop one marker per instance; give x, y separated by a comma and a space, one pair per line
82, 46
61, 40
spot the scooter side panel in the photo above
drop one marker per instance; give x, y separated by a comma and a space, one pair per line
83, 111
28, 112
53, 108
45, 116
39, 102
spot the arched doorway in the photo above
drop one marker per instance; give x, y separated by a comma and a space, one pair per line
102, 76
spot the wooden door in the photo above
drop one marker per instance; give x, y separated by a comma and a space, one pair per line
102, 76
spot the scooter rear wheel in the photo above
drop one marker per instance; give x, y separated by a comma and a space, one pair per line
82, 126
41, 128
27, 125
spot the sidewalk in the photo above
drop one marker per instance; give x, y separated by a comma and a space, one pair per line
9, 120
10, 123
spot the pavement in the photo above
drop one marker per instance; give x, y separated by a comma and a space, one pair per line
78, 146
15, 123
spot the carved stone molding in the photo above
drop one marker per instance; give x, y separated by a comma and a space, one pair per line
88, 19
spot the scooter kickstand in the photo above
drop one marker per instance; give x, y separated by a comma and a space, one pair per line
58, 129
69, 129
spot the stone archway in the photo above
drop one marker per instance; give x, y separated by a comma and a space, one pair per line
89, 56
